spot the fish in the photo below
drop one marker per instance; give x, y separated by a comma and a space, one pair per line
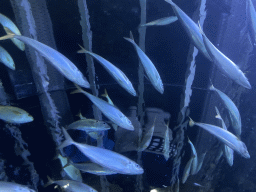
70, 170
58, 60
228, 152
89, 125
115, 72
191, 28
14, 115
162, 21
147, 138
107, 97
252, 14
194, 165
200, 162
232, 109
187, 170
225, 136
224, 64
105, 158
166, 148
6, 58
93, 168
7, 23
13, 187
148, 66
110, 111
71, 186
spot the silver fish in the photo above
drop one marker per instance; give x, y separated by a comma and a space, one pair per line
195, 160
106, 158
15, 115
93, 168
252, 15
6, 58
162, 21
149, 68
166, 148
108, 110
147, 138
228, 152
71, 186
224, 64
6, 22
70, 170
115, 72
89, 125
191, 28
233, 111
59, 61
225, 136
13, 187
187, 170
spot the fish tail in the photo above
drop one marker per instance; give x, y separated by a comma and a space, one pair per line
78, 90
191, 122
50, 181
68, 141
105, 93
211, 87
9, 35
83, 50
131, 36
129, 39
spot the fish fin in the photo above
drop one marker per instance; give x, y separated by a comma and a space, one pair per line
200, 29
191, 122
115, 126
83, 50
68, 141
211, 87
126, 38
189, 140
9, 35
105, 93
131, 36
78, 90
50, 181
167, 124
218, 113
79, 113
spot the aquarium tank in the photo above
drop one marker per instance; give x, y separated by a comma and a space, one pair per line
127, 96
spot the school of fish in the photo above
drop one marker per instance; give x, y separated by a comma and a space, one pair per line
107, 162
